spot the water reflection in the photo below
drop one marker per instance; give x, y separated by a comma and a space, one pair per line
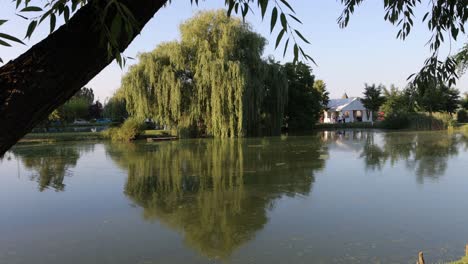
49, 164
425, 153
217, 192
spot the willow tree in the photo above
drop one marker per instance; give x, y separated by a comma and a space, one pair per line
212, 81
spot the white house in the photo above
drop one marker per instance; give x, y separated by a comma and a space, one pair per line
346, 110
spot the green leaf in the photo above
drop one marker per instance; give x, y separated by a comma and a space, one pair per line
296, 52
1, 61
2, 21
274, 17
263, 6
285, 47
18, 3
285, 2
52, 22
31, 28
66, 13
284, 22
454, 32
44, 16
116, 26
302, 37
278, 39
31, 9
4, 43
23, 17
245, 9
231, 6
295, 18
6, 36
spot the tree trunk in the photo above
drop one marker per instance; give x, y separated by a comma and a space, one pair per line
52, 71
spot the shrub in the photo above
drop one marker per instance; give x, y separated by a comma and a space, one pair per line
396, 121
462, 116
130, 130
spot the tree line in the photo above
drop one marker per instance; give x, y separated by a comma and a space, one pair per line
396, 104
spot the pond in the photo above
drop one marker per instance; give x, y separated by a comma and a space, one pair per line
331, 197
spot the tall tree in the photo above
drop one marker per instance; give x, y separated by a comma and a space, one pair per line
397, 102
304, 101
115, 108
321, 88
97, 31
373, 98
433, 96
213, 81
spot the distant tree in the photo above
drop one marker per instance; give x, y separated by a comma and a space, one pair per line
115, 108
321, 88
450, 100
373, 98
85, 93
95, 110
433, 96
464, 102
75, 108
304, 101
396, 102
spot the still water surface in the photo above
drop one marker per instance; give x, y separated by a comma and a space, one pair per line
347, 197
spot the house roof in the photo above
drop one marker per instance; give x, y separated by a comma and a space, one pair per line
349, 104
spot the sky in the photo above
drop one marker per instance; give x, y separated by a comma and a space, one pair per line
367, 51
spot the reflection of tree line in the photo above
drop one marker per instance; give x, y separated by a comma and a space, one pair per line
425, 153
216, 192
50, 163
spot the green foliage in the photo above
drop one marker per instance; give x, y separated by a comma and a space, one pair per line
321, 87
434, 97
115, 108
396, 102
304, 101
73, 109
462, 116
211, 82
464, 102
373, 98
419, 121
130, 130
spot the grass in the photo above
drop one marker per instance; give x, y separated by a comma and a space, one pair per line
376, 125
79, 136
60, 137
463, 260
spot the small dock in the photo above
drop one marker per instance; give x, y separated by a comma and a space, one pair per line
156, 139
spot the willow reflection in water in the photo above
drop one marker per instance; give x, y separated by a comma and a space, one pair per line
49, 164
216, 192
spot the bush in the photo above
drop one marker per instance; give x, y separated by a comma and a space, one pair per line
396, 121
419, 121
130, 130
462, 116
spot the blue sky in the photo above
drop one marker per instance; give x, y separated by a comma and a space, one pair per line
364, 52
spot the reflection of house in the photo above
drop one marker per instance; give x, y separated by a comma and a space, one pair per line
346, 110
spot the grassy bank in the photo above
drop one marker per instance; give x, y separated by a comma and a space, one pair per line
60, 137
79, 136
